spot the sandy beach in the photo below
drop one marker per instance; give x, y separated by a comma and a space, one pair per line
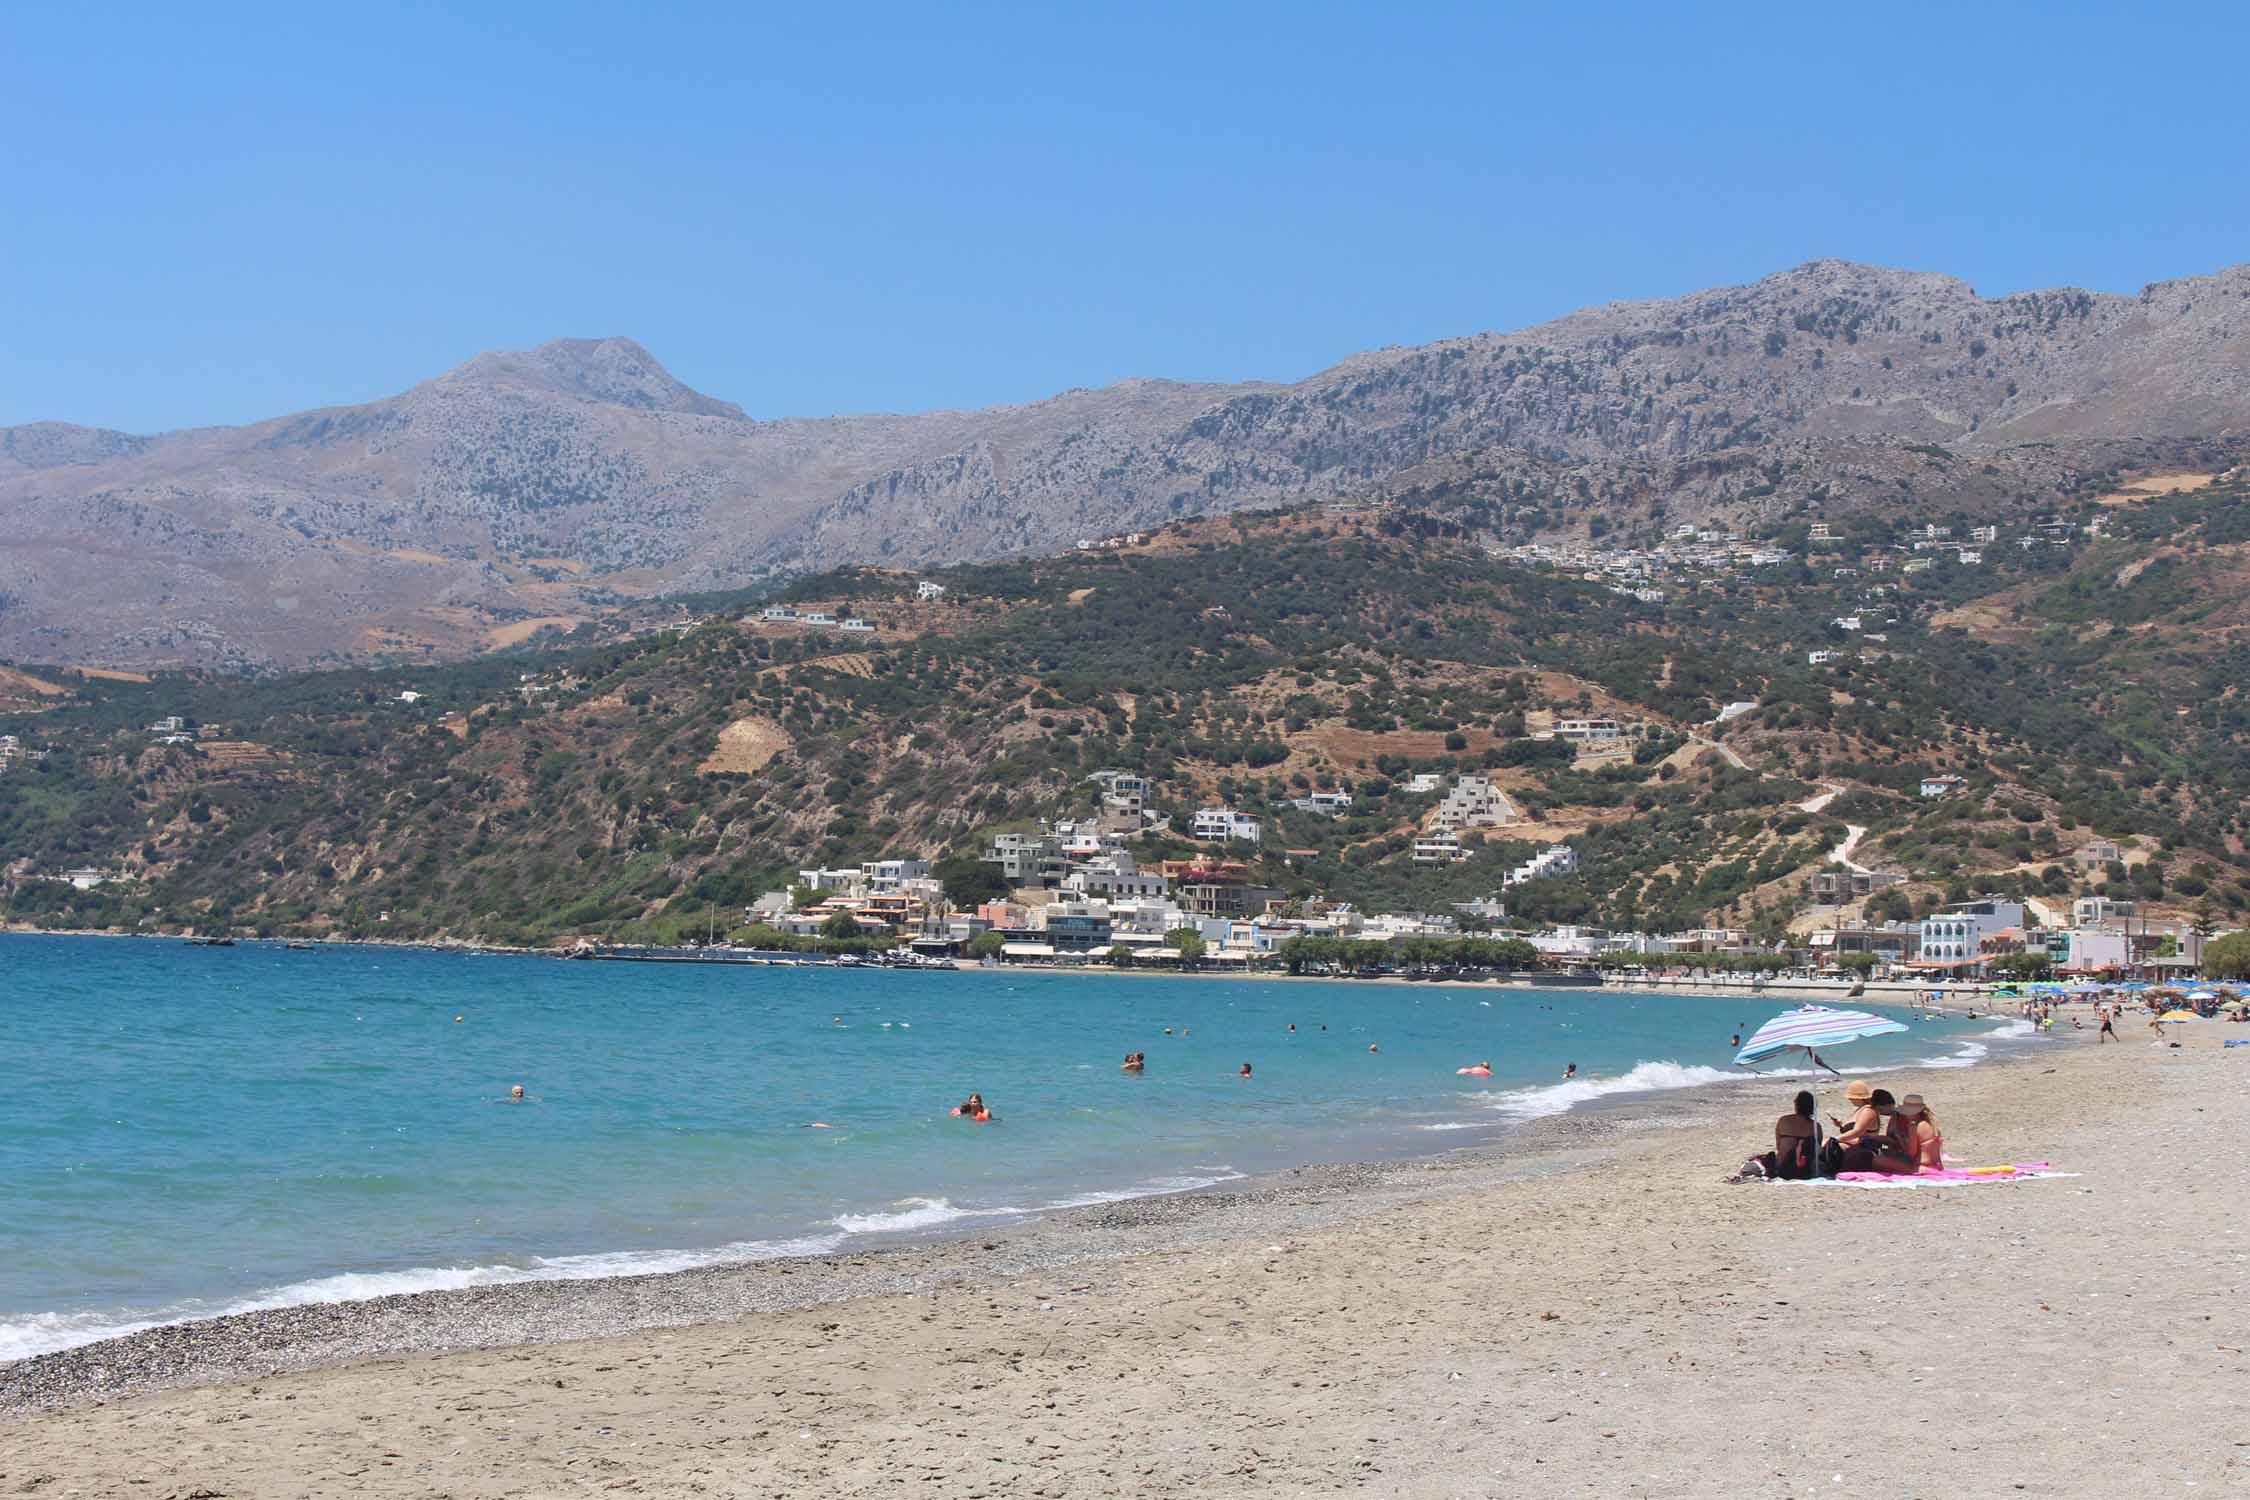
1585, 1309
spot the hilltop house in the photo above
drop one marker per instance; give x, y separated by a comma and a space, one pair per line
1327, 804
2097, 853
1225, 823
1474, 803
1942, 786
926, 591
1593, 731
1440, 848
1552, 863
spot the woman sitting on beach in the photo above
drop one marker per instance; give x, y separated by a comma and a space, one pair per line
1796, 1142
1918, 1133
1864, 1145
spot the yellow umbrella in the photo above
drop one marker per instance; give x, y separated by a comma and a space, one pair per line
2179, 1015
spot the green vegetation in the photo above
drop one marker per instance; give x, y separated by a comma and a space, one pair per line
1248, 660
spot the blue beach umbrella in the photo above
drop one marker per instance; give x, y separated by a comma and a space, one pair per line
1813, 1027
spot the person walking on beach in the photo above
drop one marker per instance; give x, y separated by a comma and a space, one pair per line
2109, 1026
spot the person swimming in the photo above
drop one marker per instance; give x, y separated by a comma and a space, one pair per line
515, 1095
1570, 1072
1245, 1073
1134, 1061
1481, 1070
973, 1108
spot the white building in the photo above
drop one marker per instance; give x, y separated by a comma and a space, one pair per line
2092, 911
1846, 622
1733, 711
2090, 949
1474, 803
856, 624
1822, 658
1589, 730
1941, 786
1552, 863
886, 877
1327, 804
169, 724
777, 612
925, 590
408, 695
1957, 934
1425, 781
1571, 942
1439, 849
1225, 823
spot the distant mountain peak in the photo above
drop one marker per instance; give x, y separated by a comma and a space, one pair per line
613, 371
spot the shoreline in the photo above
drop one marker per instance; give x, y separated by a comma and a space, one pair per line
1601, 1315
536, 1310
1875, 992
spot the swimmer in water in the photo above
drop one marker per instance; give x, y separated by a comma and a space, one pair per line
516, 1095
1570, 1072
1373, 1048
1167, 1031
1735, 1040
1245, 1073
1292, 1025
1481, 1070
1134, 1061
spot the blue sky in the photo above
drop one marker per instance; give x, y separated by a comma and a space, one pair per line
219, 214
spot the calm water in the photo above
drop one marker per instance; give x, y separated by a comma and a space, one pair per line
186, 1131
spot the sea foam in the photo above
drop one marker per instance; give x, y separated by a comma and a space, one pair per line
1642, 1078
44, 1333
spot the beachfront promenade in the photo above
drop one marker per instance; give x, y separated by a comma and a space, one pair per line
1591, 1313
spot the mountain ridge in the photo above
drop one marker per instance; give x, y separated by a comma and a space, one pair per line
545, 485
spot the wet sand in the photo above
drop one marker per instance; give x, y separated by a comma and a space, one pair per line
1584, 1309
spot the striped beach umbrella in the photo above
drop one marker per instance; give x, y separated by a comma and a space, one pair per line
1811, 1028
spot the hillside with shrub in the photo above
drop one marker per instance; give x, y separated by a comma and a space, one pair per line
650, 786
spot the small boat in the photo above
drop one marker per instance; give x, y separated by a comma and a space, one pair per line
210, 942
300, 947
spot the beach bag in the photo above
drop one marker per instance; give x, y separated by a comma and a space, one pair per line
1831, 1158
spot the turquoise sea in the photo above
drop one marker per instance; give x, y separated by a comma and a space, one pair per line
190, 1131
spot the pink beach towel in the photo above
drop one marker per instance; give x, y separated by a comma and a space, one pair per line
1950, 1176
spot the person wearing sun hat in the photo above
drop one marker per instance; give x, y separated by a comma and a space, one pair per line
1918, 1131
1866, 1121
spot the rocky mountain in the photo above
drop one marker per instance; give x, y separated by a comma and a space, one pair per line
531, 489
